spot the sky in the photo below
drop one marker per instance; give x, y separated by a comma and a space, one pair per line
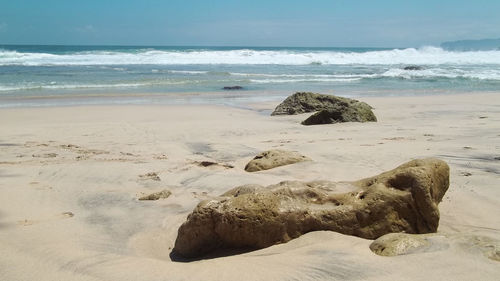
313, 23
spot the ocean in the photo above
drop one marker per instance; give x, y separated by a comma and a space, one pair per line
73, 75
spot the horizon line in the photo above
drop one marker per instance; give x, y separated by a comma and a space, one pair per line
214, 46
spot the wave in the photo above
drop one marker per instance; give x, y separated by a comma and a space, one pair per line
53, 86
454, 73
421, 56
277, 81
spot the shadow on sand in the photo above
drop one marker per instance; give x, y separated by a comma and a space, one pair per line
220, 253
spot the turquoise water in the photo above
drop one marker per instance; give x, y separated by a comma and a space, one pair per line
46, 75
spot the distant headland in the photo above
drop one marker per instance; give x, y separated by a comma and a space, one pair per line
472, 45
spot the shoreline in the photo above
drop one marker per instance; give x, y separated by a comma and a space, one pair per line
72, 175
240, 98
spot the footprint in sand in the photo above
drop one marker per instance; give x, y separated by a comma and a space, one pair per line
28, 222
34, 143
160, 157
39, 186
212, 164
45, 155
200, 195
150, 176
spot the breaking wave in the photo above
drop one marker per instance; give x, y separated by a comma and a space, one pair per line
420, 56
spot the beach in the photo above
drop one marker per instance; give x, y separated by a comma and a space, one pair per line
71, 177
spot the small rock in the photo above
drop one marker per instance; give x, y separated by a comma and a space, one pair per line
157, 195
395, 244
210, 163
68, 214
413, 67
274, 158
232, 88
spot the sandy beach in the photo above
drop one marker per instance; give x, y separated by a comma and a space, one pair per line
71, 178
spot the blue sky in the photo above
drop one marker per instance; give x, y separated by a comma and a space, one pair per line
384, 23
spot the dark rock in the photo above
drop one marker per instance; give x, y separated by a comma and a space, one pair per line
232, 88
413, 67
304, 102
212, 164
332, 109
401, 200
344, 114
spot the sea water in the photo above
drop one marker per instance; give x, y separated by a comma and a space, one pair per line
58, 75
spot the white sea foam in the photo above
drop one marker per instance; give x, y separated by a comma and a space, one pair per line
188, 72
305, 76
273, 81
54, 86
421, 56
451, 73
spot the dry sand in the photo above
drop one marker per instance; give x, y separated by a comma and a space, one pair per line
70, 179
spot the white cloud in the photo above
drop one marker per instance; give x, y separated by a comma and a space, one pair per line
86, 28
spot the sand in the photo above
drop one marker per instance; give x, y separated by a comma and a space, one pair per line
70, 179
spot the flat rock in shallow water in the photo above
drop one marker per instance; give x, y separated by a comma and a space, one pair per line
412, 67
274, 158
401, 200
232, 88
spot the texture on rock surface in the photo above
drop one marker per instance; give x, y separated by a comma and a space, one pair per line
303, 102
401, 200
157, 195
342, 114
395, 244
274, 158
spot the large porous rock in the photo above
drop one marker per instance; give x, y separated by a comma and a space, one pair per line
401, 200
274, 158
311, 102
